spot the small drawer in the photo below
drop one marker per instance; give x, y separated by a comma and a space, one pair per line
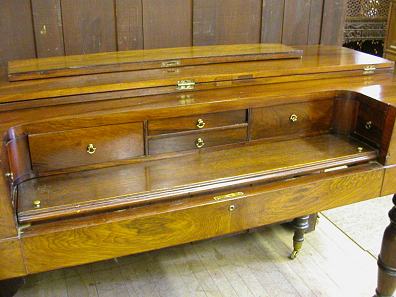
370, 122
197, 140
79, 147
196, 122
297, 119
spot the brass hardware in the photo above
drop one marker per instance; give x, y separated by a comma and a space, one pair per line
200, 123
293, 118
170, 64
228, 196
369, 69
335, 168
231, 207
185, 85
21, 229
10, 175
43, 30
37, 203
360, 149
199, 143
91, 149
368, 125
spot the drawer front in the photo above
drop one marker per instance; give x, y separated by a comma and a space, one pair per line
296, 119
197, 140
78, 147
370, 123
196, 122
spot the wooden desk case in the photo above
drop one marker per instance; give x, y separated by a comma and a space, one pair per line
111, 154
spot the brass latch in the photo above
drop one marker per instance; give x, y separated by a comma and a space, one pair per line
185, 85
369, 69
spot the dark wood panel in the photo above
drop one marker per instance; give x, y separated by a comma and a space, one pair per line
272, 21
333, 22
315, 21
227, 21
296, 21
16, 31
129, 15
89, 26
47, 18
167, 23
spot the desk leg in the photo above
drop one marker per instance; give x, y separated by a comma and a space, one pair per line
300, 225
387, 258
9, 287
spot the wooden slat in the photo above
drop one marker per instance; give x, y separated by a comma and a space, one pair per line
315, 21
16, 30
47, 18
296, 21
272, 20
333, 13
89, 26
226, 21
129, 15
167, 23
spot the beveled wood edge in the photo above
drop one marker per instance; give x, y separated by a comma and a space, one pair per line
191, 189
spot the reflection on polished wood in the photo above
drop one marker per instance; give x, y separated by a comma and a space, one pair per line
103, 165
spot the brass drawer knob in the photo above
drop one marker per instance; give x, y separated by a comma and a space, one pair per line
368, 125
37, 203
200, 123
91, 149
293, 118
199, 143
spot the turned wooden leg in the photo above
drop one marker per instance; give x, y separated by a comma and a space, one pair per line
300, 225
9, 287
387, 258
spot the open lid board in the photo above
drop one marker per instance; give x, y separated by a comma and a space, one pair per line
146, 59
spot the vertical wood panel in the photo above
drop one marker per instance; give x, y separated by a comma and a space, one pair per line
167, 23
226, 21
89, 26
333, 22
296, 22
129, 24
16, 30
272, 21
315, 21
47, 18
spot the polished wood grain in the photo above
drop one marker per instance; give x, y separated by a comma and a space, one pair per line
312, 117
56, 150
175, 177
145, 59
211, 120
155, 226
389, 186
11, 261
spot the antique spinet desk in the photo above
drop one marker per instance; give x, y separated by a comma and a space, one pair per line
111, 154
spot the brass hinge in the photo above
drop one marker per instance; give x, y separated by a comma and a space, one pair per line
168, 64
369, 69
185, 85
229, 196
21, 228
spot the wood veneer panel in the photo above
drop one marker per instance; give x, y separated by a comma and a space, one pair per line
152, 227
47, 19
272, 20
333, 13
315, 21
16, 30
164, 179
11, 261
129, 15
90, 28
167, 23
296, 21
226, 21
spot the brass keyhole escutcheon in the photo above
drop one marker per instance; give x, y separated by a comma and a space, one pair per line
231, 207
91, 149
199, 143
368, 125
200, 123
37, 203
293, 118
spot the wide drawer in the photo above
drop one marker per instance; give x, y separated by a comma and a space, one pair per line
78, 147
197, 140
297, 119
197, 122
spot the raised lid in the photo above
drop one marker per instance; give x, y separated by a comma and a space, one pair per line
118, 187
145, 59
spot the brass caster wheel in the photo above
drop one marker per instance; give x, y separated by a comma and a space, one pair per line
293, 255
